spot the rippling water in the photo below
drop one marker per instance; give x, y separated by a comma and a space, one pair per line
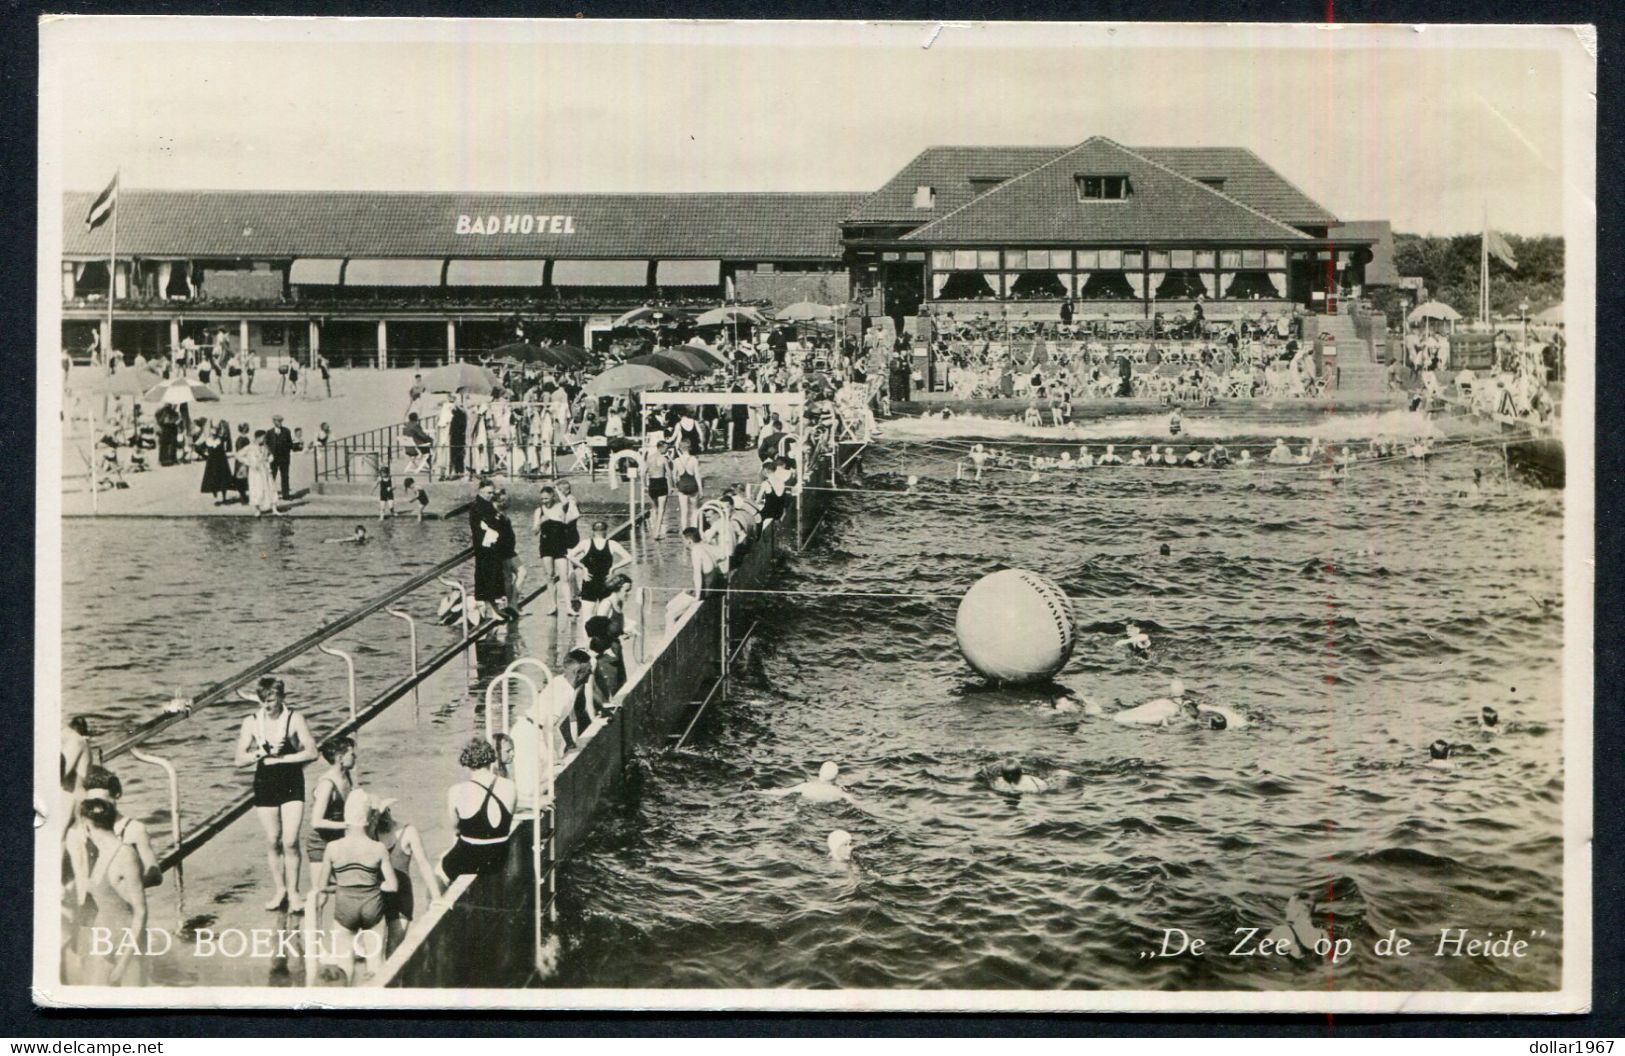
1351, 624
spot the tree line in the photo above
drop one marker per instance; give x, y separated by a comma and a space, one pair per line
1448, 267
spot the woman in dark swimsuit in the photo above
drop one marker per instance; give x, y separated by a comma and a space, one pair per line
482, 812
326, 811
551, 535
405, 849
277, 743
598, 558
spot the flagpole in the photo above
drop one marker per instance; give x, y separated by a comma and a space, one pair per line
1484, 269
112, 277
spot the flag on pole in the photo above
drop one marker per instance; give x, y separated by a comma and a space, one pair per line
1496, 246
102, 207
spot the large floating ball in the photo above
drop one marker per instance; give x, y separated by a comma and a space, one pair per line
1015, 626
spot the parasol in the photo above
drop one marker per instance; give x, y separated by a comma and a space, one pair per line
454, 376
730, 314
181, 391
1434, 310
804, 312
667, 363
628, 377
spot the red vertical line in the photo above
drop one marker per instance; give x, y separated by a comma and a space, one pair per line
1331, 275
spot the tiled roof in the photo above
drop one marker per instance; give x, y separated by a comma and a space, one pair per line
1246, 179
1381, 270
1043, 207
949, 170
272, 224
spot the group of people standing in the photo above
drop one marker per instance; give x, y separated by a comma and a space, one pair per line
253, 468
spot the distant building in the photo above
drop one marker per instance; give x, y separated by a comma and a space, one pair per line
397, 279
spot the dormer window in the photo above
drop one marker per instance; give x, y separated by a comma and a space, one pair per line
980, 185
1102, 188
1215, 182
925, 197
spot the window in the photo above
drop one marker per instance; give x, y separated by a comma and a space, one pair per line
1015, 258
1159, 260
1111, 259
1204, 258
987, 259
1180, 260
983, 184
1275, 259
1088, 259
1252, 258
925, 197
1215, 182
942, 259
1133, 260
1038, 258
1230, 258
1102, 188
964, 259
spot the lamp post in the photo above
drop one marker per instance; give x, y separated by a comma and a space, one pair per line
1523, 317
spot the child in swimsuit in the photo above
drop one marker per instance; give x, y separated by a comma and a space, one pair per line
360, 870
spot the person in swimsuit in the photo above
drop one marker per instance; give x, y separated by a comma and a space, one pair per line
362, 875
771, 495
1012, 780
102, 783
115, 900
598, 558
276, 742
686, 468
823, 790
708, 579
75, 761
326, 811
551, 534
657, 478
482, 813
405, 847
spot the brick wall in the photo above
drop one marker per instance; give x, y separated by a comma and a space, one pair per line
787, 287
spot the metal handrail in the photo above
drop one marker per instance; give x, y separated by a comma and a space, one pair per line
349, 667
174, 824
462, 617
220, 691
412, 629
502, 681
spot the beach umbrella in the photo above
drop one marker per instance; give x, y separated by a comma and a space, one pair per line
645, 316
1554, 314
704, 353
570, 355
730, 314
181, 390
454, 376
94, 382
804, 312
1434, 310
628, 377
692, 358
666, 362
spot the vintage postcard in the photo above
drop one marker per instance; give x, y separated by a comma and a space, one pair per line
576, 514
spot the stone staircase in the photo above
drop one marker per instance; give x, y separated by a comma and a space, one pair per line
1358, 373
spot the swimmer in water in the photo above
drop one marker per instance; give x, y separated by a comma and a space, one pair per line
1441, 751
1298, 930
1175, 423
1138, 642
1488, 720
1178, 709
1070, 705
358, 539
840, 846
1165, 550
1111, 457
1193, 457
1011, 780
978, 456
1136, 459
1245, 458
1280, 454
823, 790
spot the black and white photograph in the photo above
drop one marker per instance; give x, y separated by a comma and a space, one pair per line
577, 514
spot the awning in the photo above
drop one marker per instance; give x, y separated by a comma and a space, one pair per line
393, 272
601, 273
688, 273
315, 271
496, 273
